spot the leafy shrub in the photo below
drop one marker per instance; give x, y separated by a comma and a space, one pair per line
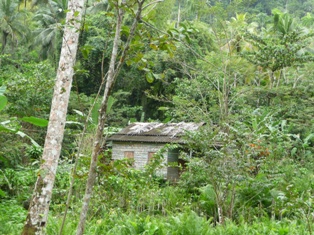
12, 217
18, 183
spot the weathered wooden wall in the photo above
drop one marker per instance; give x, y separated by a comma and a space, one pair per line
141, 153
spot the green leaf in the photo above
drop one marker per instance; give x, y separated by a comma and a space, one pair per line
125, 30
3, 102
80, 113
283, 124
132, 120
154, 46
158, 76
187, 38
2, 193
294, 151
86, 50
149, 77
308, 138
35, 121
74, 123
146, 70
22, 134
111, 101
3, 128
162, 108
254, 123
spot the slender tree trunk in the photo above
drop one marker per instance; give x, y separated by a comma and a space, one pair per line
100, 127
68, 202
179, 14
111, 77
39, 207
271, 79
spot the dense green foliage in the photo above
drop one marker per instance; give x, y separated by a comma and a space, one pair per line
243, 67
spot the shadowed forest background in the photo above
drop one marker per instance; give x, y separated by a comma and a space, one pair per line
244, 67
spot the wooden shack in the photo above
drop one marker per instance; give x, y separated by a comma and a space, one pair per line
141, 140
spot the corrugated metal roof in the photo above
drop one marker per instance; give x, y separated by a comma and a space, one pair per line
154, 132
146, 139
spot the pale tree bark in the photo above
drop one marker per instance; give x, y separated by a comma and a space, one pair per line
39, 207
114, 68
179, 14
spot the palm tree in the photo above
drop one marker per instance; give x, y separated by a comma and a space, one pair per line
234, 34
98, 6
11, 23
49, 33
282, 45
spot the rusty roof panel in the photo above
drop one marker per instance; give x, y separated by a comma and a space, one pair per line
147, 139
155, 132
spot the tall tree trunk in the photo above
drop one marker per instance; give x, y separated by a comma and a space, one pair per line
39, 207
111, 77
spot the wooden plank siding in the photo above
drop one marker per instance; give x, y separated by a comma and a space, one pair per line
142, 153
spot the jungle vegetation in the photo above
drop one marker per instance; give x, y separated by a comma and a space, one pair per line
244, 67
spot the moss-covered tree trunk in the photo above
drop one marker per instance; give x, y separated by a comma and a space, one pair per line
39, 207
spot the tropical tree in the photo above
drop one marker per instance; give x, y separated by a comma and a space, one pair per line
11, 23
233, 32
48, 35
159, 13
95, 51
196, 9
280, 46
39, 206
98, 6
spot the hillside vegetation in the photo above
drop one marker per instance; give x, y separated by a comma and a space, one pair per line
244, 67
